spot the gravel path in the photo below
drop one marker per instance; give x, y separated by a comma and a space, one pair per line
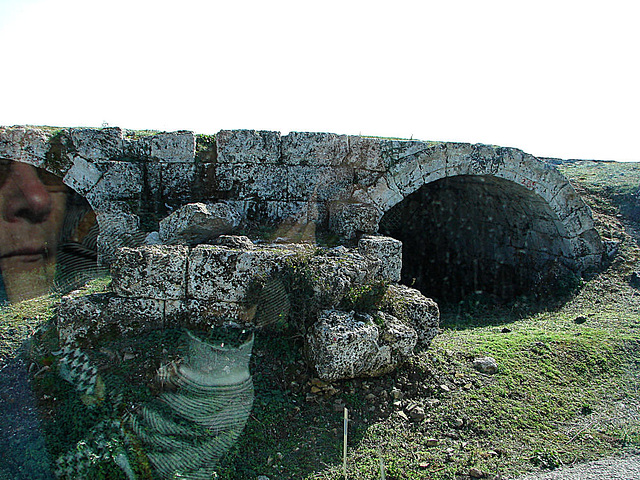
624, 468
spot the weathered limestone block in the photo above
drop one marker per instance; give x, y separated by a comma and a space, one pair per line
349, 219
177, 180
384, 194
120, 181
151, 271
172, 147
118, 228
97, 145
400, 337
388, 251
343, 345
294, 216
248, 146
191, 313
88, 319
197, 223
22, 144
248, 181
318, 183
406, 175
314, 149
337, 271
223, 274
365, 153
83, 175
414, 309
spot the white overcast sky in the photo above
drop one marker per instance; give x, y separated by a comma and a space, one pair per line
555, 78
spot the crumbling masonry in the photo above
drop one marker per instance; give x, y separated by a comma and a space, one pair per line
471, 218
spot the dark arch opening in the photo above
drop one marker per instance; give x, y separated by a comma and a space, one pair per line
469, 235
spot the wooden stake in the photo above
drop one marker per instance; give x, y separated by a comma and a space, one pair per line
344, 440
382, 475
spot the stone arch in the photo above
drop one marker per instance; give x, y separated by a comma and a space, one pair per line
550, 222
75, 234
92, 162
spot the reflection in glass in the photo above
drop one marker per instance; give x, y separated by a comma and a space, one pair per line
47, 234
165, 405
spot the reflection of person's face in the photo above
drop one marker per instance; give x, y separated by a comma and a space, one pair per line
32, 208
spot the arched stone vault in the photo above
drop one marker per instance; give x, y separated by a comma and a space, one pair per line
338, 182
571, 216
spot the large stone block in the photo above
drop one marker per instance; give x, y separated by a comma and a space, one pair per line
388, 251
97, 145
151, 271
248, 146
23, 144
349, 219
314, 149
248, 181
92, 319
365, 153
119, 181
222, 274
118, 228
177, 180
343, 345
170, 147
192, 313
337, 271
83, 175
319, 183
196, 223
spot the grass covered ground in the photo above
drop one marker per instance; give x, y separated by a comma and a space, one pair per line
566, 389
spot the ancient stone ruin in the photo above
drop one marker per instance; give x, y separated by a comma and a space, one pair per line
211, 240
471, 218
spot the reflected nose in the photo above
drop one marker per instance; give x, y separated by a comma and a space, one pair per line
27, 197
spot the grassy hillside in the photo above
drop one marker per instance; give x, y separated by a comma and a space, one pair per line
566, 389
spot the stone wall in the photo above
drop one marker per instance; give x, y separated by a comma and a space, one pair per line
336, 182
355, 319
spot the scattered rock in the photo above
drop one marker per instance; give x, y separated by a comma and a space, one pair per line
417, 413
476, 473
432, 402
485, 365
396, 394
402, 415
580, 319
505, 330
432, 442
458, 423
